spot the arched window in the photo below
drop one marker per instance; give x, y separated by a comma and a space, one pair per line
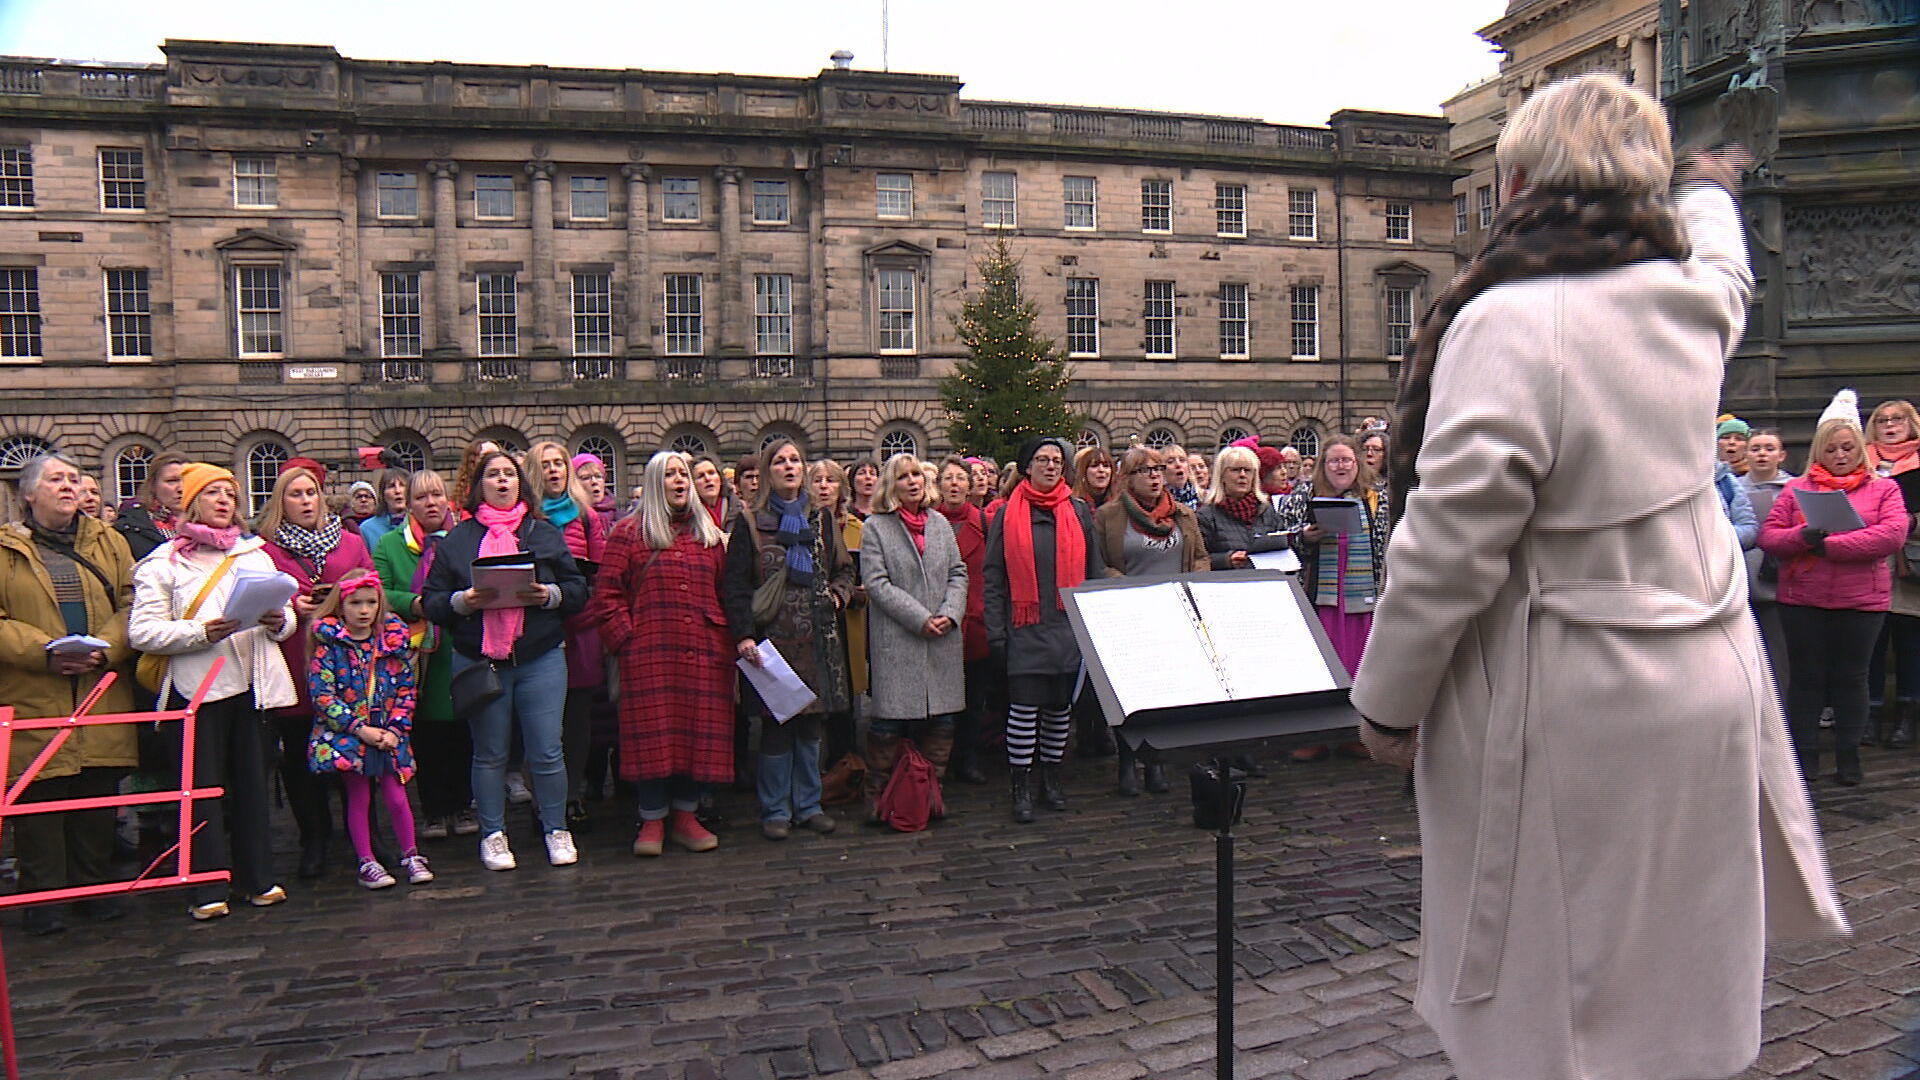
17, 450
690, 444
1306, 439
264, 460
784, 431
1232, 434
898, 441
130, 468
1161, 437
602, 447
1087, 437
412, 455
506, 439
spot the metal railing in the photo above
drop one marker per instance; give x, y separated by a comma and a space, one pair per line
682, 368
597, 368
500, 369
400, 371
899, 367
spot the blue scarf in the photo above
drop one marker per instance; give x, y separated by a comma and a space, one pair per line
561, 509
796, 536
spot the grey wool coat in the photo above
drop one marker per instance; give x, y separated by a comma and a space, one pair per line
1611, 820
913, 677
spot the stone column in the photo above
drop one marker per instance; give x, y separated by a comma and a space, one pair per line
356, 280
446, 257
639, 287
1646, 70
541, 209
727, 289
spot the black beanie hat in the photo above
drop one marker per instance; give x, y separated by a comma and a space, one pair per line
1032, 446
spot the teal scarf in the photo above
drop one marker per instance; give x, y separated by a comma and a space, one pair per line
561, 509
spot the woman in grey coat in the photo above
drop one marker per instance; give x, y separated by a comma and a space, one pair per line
917, 595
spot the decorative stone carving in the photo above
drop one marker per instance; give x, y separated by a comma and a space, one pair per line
257, 75
1387, 138
641, 173
1611, 57
1823, 14
540, 170
876, 101
1853, 261
1725, 26
443, 170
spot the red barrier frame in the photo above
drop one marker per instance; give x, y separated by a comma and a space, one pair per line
11, 806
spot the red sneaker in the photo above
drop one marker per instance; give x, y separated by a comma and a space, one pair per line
687, 832
651, 839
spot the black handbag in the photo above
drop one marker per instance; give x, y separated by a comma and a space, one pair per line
475, 687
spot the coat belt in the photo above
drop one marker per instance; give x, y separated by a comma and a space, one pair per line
1601, 604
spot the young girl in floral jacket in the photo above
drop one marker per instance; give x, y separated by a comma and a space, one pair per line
362, 681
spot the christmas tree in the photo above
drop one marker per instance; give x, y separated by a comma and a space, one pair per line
1013, 384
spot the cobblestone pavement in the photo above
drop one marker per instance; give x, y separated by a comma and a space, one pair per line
1080, 947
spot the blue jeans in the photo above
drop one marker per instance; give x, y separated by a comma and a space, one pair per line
536, 691
789, 780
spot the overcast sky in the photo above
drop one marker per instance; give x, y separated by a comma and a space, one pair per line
1288, 61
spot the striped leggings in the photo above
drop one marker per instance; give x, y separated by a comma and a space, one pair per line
1031, 725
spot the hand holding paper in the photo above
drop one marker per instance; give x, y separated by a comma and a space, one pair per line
508, 577
255, 593
780, 689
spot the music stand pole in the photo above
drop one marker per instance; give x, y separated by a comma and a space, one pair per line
1223, 947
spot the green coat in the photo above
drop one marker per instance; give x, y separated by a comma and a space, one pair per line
396, 565
30, 617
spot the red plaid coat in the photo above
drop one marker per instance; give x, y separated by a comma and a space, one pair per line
661, 616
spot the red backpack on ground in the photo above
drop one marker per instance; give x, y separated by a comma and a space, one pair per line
912, 796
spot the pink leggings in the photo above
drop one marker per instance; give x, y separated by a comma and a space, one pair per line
394, 794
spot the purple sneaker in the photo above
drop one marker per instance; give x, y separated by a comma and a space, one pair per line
418, 873
374, 876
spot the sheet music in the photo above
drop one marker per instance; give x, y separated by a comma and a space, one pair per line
1160, 661
781, 690
1829, 511
1266, 647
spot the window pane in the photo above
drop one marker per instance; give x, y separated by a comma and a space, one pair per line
898, 441
264, 462
897, 310
1301, 214
1305, 310
1079, 193
397, 195
1156, 205
1157, 313
893, 195
685, 322
400, 315
1233, 320
997, 200
587, 198
1399, 321
256, 181
770, 203
592, 314
1230, 209
20, 312
1399, 221
16, 176
499, 315
1485, 195
129, 314
257, 303
123, 180
680, 197
1083, 316
773, 314
130, 467
493, 196
1460, 214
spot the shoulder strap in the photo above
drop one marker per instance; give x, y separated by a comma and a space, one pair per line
206, 588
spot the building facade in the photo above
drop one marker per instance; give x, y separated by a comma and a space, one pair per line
251, 252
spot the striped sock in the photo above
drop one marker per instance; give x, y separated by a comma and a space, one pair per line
1055, 726
1021, 727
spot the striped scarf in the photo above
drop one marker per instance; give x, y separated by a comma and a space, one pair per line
1344, 575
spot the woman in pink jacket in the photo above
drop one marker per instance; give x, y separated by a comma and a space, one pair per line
1834, 588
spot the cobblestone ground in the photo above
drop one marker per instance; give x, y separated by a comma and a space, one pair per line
1081, 947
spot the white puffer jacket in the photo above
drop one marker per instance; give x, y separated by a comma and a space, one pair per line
164, 585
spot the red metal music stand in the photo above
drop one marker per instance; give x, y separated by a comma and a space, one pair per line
11, 806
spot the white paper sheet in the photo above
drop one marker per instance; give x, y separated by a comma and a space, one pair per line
1336, 515
780, 689
1828, 511
1266, 647
1283, 560
256, 592
1153, 657
76, 645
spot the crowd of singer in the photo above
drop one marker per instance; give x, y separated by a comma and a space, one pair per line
918, 600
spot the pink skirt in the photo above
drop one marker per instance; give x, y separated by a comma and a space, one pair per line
1348, 631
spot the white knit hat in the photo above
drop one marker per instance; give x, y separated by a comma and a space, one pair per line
1844, 406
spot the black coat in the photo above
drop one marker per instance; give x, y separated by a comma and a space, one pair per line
1224, 534
1047, 647
136, 526
452, 572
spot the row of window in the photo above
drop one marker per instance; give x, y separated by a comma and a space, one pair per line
122, 173
260, 315
1483, 201
1080, 207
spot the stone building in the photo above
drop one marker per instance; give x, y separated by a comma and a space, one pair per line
252, 251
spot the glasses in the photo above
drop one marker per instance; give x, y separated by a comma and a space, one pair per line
1047, 463
1151, 470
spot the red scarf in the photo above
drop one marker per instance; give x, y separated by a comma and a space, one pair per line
1242, 508
1069, 548
916, 523
716, 510
1896, 458
1819, 477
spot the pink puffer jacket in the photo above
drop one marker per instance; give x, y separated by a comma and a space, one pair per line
1853, 574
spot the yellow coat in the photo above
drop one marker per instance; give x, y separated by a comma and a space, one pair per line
851, 531
30, 617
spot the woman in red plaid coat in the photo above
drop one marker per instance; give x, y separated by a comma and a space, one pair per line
657, 601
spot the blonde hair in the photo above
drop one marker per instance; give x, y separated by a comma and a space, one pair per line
274, 513
838, 474
656, 517
575, 489
890, 473
1905, 410
1825, 433
1589, 133
1228, 457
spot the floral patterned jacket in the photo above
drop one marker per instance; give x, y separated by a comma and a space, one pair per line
356, 683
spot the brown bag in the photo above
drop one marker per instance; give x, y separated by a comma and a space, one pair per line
845, 782
768, 595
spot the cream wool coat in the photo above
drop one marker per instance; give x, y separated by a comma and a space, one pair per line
1611, 819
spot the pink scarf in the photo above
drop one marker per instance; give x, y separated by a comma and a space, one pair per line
501, 627
192, 534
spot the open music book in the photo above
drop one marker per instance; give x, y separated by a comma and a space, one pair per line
1192, 642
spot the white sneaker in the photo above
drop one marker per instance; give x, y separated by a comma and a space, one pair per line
560, 849
517, 791
495, 854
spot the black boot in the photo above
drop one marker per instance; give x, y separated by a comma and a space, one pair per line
1846, 766
313, 859
1809, 764
1902, 736
1157, 776
1051, 796
1020, 783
